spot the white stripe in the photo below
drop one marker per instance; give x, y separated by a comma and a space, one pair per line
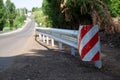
92, 52
88, 37
80, 27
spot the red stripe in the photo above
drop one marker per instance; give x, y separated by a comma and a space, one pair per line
82, 33
96, 57
89, 45
85, 29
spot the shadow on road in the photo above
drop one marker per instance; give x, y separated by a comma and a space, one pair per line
50, 64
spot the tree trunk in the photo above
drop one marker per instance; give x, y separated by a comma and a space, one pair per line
11, 24
1, 28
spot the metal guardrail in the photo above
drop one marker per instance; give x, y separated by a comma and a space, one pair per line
69, 37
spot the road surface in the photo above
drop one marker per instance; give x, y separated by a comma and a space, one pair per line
12, 44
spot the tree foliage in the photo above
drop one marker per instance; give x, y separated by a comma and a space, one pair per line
21, 11
20, 17
19, 20
11, 12
2, 15
35, 9
51, 8
10, 17
41, 18
115, 8
87, 12
72, 13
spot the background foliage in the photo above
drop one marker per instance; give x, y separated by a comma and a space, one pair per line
10, 17
69, 14
2, 15
114, 7
50, 14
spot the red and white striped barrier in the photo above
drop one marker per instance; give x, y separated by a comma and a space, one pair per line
88, 43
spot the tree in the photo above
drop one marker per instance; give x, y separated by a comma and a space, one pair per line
20, 17
52, 10
21, 11
34, 9
88, 12
115, 8
2, 15
41, 18
11, 13
72, 13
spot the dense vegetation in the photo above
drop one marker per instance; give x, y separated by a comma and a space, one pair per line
19, 20
11, 14
2, 15
71, 13
10, 17
115, 8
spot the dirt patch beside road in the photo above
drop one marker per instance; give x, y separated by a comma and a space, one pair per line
42, 62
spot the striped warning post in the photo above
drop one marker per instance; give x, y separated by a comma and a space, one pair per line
88, 43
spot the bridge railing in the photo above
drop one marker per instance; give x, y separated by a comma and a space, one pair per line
69, 37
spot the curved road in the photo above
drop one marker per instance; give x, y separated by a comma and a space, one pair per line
11, 44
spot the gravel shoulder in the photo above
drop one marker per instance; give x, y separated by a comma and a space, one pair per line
40, 61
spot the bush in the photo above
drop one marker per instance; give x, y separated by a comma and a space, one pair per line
19, 21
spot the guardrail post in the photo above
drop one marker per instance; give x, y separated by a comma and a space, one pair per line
98, 64
52, 42
40, 36
72, 51
43, 38
47, 39
60, 45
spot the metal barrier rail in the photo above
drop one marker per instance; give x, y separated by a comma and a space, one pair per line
69, 37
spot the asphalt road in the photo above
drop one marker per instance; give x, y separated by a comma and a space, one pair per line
11, 44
